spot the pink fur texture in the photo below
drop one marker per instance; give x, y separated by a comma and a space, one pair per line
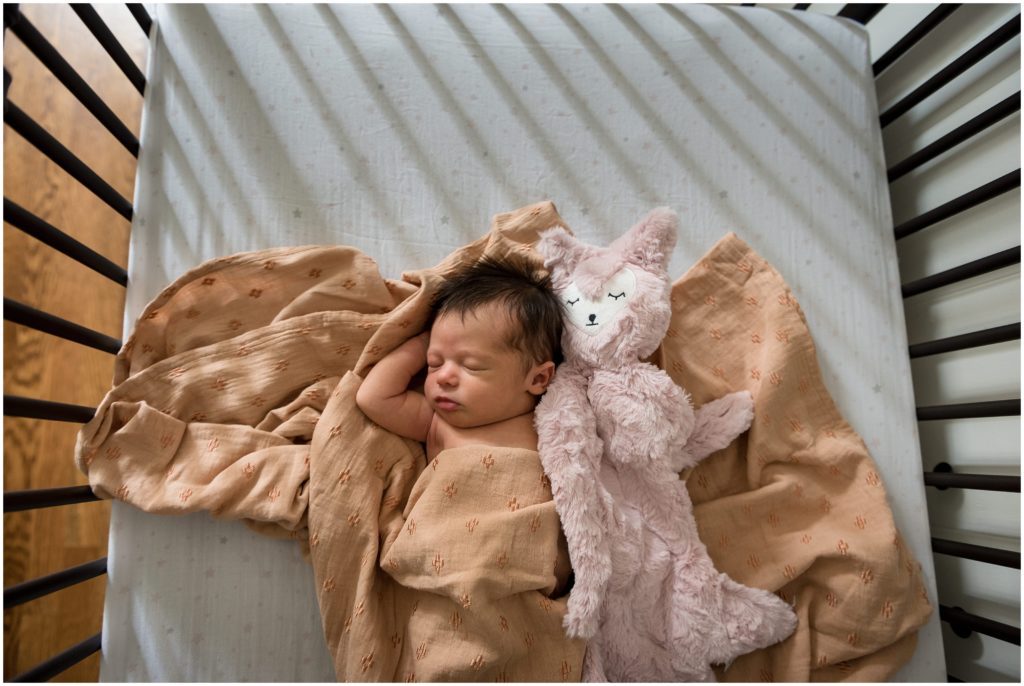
614, 433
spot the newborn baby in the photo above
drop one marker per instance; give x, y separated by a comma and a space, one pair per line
480, 541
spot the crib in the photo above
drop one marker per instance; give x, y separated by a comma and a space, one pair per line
428, 120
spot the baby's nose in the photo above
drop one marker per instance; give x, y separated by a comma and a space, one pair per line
446, 375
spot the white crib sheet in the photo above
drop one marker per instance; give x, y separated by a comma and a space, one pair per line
401, 130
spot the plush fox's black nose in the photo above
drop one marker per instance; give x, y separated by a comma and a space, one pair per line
593, 317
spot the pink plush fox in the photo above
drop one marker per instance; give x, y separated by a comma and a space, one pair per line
614, 433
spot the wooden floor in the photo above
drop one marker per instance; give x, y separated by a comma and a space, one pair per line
38, 454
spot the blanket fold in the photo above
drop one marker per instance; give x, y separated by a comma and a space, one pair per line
235, 395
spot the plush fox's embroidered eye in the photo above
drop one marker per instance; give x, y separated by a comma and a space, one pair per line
572, 302
616, 297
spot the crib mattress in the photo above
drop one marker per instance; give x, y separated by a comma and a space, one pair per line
401, 130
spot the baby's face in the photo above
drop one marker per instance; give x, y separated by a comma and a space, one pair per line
473, 377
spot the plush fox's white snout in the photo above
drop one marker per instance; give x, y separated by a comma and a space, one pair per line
590, 315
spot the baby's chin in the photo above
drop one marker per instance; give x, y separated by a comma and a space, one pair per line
458, 421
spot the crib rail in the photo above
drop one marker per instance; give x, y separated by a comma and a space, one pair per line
966, 341
51, 583
32, 408
985, 47
19, 217
968, 270
45, 671
20, 313
25, 315
988, 191
48, 55
19, 501
139, 12
978, 124
103, 35
984, 408
961, 622
942, 476
913, 37
981, 553
35, 134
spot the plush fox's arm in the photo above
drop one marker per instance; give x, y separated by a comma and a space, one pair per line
718, 423
570, 452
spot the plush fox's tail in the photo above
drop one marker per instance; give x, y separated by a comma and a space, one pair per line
753, 619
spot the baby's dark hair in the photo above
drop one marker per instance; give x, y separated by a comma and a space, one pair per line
534, 310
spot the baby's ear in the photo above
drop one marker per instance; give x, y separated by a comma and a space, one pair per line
559, 249
649, 243
540, 377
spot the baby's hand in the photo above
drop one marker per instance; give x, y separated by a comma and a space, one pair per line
385, 396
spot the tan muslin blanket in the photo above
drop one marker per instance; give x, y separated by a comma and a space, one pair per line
235, 395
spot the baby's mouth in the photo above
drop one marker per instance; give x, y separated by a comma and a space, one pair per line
446, 404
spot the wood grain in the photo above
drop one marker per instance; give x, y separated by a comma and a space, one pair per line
38, 454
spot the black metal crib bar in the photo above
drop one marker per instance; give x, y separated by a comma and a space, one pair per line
985, 47
860, 12
990, 117
987, 408
963, 623
38, 498
35, 134
106, 38
984, 265
922, 29
138, 11
51, 583
942, 477
19, 313
993, 189
980, 553
45, 671
32, 408
19, 217
21, 27
974, 339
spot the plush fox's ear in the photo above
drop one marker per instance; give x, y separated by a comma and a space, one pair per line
650, 241
559, 249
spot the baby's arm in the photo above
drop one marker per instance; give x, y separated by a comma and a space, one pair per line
385, 396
